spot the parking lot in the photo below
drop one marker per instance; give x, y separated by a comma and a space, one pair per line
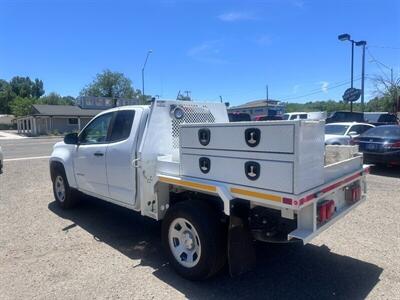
99, 250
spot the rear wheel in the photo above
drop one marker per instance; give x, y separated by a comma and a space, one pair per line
194, 239
65, 196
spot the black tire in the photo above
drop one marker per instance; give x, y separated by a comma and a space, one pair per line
211, 233
70, 197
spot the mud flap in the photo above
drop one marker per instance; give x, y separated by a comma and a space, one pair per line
241, 252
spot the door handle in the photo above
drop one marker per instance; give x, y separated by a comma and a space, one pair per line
98, 154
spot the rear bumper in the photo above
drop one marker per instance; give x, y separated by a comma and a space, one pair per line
385, 158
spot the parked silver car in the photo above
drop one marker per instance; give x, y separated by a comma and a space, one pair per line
342, 133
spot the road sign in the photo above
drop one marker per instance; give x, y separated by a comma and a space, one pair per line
351, 95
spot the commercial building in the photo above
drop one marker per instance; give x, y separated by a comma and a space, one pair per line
260, 108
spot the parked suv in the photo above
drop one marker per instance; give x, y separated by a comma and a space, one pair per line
380, 118
345, 116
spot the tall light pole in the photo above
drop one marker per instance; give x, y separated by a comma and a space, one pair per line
346, 37
363, 44
144, 66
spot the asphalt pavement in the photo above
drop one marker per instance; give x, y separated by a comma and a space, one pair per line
101, 251
28, 147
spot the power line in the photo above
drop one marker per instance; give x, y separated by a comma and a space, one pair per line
319, 90
384, 47
378, 63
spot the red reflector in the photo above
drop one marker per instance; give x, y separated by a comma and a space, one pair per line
287, 201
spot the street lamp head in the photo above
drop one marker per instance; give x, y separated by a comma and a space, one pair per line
344, 37
361, 43
150, 51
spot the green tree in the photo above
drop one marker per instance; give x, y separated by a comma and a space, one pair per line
6, 96
26, 88
109, 84
37, 88
56, 99
21, 106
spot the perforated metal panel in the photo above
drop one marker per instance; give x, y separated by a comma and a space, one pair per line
193, 114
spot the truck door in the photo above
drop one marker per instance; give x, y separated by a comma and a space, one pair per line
121, 152
90, 156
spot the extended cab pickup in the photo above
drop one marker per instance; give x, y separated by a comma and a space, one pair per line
216, 186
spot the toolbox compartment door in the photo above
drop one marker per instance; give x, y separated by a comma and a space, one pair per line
263, 174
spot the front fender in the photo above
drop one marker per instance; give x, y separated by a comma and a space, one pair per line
64, 154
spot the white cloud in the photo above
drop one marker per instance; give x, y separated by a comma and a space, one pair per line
234, 16
324, 86
208, 51
296, 88
264, 40
298, 3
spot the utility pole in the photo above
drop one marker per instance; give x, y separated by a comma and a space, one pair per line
363, 44
346, 37
144, 66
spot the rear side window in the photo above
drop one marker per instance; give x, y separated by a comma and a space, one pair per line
121, 128
387, 118
383, 131
303, 116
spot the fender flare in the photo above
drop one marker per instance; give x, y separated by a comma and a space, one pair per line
68, 168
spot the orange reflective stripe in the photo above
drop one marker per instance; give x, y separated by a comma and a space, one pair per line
256, 195
194, 185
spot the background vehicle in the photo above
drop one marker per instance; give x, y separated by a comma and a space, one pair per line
1, 161
215, 185
268, 118
379, 118
343, 133
238, 117
345, 116
316, 115
380, 145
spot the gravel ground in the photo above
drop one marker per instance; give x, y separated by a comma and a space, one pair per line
103, 251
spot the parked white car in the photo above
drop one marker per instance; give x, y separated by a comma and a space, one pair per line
1, 161
342, 133
314, 115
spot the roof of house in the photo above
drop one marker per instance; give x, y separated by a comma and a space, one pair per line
257, 103
62, 110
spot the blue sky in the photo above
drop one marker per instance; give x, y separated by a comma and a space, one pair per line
211, 48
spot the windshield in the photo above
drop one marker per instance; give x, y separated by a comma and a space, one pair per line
383, 131
372, 117
285, 117
336, 129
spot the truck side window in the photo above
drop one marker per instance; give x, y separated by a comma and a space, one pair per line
96, 132
303, 116
121, 128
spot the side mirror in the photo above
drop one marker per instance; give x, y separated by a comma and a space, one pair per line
71, 138
351, 133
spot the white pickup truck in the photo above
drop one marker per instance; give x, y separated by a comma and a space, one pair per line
216, 186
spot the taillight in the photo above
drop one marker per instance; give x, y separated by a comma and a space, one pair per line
325, 210
354, 142
353, 193
396, 145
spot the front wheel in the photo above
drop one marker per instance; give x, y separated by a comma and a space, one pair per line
194, 239
65, 196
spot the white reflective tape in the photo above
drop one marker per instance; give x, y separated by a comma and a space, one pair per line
26, 158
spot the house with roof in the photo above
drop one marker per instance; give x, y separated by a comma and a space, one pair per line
263, 107
47, 119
